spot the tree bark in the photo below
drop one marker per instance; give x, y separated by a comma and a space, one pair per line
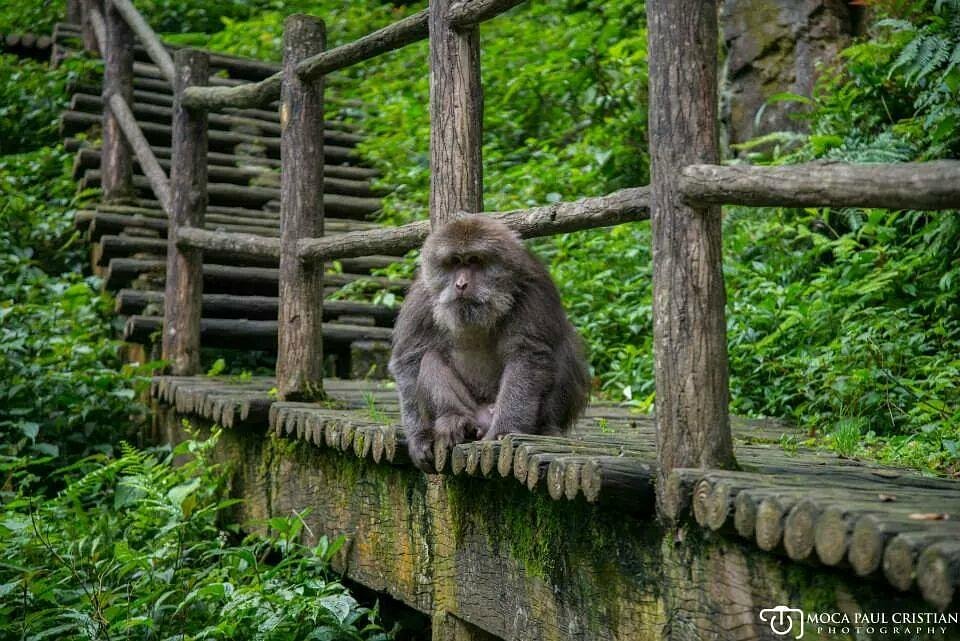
456, 117
626, 205
117, 81
914, 185
690, 343
133, 137
158, 53
94, 31
184, 283
300, 347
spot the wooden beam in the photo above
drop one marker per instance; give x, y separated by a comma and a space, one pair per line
624, 206
300, 347
117, 83
468, 13
184, 279
158, 53
690, 342
148, 162
915, 185
456, 117
94, 30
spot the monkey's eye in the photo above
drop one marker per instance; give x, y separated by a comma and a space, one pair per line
455, 260
473, 260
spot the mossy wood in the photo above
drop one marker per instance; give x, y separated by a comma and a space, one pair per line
490, 552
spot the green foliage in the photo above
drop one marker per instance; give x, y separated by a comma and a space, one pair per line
132, 550
32, 96
64, 394
36, 16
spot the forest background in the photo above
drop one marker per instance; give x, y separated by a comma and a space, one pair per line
846, 321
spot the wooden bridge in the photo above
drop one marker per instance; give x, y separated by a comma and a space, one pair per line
220, 208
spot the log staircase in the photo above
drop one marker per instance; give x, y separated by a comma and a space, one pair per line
129, 245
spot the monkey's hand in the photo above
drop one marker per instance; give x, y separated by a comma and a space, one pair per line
420, 448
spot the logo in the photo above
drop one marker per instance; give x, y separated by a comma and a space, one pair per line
781, 620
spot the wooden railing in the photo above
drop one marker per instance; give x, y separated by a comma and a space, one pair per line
683, 201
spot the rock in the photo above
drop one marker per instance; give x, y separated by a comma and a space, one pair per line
776, 46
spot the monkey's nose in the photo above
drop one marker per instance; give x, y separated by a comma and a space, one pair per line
461, 284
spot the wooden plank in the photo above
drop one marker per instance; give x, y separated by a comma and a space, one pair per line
188, 183
134, 139
690, 341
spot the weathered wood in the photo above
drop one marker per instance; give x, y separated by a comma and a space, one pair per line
921, 185
622, 206
300, 348
468, 13
133, 138
158, 53
243, 334
81, 102
901, 554
394, 36
134, 301
251, 245
221, 141
94, 32
690, 343
938, 573
188, 183
456, 117
117, 86
74, 13
229, 279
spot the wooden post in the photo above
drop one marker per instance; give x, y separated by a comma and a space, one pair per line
74, 12
456, 117
300, 333
188, 187
89, 36
117, 157
689, 327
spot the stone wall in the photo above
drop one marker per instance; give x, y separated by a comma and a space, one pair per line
775, 46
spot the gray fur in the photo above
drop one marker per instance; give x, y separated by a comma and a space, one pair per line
493, 355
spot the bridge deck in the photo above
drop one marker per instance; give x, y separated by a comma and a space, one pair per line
889, 524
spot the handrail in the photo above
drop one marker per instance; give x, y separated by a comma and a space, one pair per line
624, 206
99, 24
260, 94
155, 49
394, 36
148, 161
915, 185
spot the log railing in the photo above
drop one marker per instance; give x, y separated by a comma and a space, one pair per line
683, 202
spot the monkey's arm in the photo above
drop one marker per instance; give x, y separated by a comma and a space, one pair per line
411, 340
523, 384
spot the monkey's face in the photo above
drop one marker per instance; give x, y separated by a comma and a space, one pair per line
465, 267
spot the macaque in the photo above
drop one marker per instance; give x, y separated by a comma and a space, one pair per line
482, 346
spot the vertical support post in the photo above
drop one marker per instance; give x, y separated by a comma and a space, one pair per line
456, 117
689, 327
117, 157
87, 32
188, 203
74, 12
300, 329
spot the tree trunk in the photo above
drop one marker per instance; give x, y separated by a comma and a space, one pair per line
117, 80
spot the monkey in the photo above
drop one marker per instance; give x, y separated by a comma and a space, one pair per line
482, 346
